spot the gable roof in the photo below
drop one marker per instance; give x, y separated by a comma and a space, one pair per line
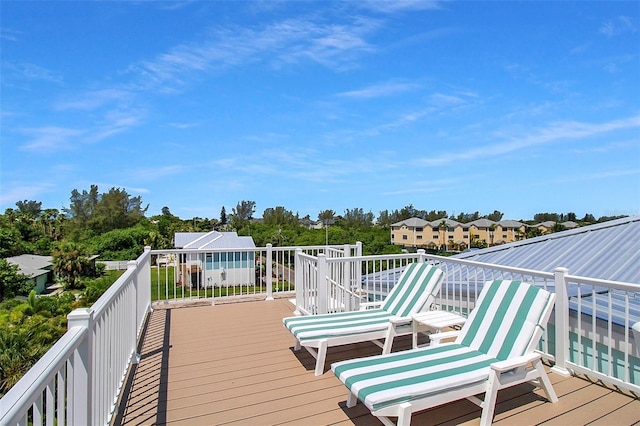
412, 222
608, 250
32, 265
212, 240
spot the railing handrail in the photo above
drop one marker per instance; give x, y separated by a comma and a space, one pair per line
250, 249
72, 366
16, 402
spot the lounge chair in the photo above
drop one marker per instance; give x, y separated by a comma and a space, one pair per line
415, 291
494, 349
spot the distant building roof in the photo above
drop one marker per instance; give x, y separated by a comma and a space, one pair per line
481, 223
413, 222
32, 265
212, 240
449, 222
510, 224
608, 250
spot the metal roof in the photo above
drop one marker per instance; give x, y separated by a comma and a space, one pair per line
608, 250
212, 240
32, 265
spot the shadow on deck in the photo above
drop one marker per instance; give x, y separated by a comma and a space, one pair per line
234, 364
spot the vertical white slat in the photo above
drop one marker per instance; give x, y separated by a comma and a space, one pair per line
61, 395
50, 404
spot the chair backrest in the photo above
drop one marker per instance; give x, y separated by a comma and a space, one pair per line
417, 288
508, 319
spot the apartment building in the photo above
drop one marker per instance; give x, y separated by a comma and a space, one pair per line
448, 234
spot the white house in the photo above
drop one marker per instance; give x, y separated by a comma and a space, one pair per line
218, 259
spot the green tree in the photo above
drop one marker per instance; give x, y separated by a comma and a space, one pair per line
496, 216
70, 263
357, 218
12, 282
279, 216
29, 207
223, 216
242, 214
116, 210
327, 217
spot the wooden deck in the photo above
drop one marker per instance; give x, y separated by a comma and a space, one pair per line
234, 364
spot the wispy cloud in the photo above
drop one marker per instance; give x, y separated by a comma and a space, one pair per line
554, 132
92, 100
30, 72
115, 122
48, 139
9, 34
291, 41
158, 172
183, 126
618, 26
18, 191
51, 138
378, 90
396, 6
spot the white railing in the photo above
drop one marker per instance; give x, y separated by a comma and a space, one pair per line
181, 276
600, 337
592, 331
79, 379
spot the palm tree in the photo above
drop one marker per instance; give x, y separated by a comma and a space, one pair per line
327, 217
69, 263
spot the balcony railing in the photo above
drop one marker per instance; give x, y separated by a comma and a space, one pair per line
79, 380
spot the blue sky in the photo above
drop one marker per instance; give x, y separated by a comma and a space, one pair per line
523, 107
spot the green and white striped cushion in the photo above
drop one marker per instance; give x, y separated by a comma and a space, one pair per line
403, 376
417, 282
500, 326
504, 319
337, 324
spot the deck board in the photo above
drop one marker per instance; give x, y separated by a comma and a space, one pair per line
234, 364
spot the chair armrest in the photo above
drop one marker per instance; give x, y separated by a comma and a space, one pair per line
437, 337
400, 320
367, 305
519, 361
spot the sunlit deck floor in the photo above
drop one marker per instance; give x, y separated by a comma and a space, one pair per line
234, 364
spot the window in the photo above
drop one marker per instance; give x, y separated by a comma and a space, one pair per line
418, 229
404, 237
419, 237
436, 236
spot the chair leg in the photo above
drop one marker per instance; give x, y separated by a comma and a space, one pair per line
322, 355
388, 341
490, 398
352, 400
404, 417
296, 345
544, 381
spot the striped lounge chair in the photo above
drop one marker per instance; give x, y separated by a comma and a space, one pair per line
414, 292
493, 350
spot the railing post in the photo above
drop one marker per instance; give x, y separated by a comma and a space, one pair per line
135, 356
561, 322
80, 411
348, 298
322, 286
422, 256
299, 283
357, 274
143, 289
269, 271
